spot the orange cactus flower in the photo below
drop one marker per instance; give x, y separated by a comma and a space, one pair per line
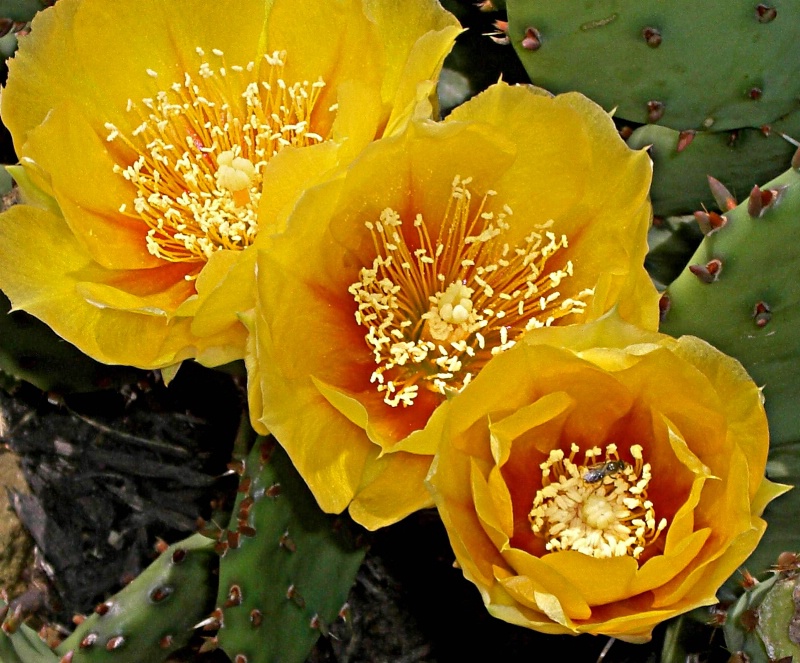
397, 281
160, 142
601, 478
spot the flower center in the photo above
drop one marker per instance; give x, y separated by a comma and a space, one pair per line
202, 147
598, 508
436, 310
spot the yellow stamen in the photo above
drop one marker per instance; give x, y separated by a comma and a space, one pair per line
598, 509
202, 146
436, 310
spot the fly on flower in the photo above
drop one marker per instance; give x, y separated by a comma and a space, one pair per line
600, 471
435, 251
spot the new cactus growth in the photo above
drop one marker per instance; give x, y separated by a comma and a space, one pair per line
18, 642
154, 615
763, 625
681, 162
286, 568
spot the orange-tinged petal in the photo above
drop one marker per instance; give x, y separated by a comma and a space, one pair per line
175, 137
109, 335
436, 193
392, 487
681, 476
89, 194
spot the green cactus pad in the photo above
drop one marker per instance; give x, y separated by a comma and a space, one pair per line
31, 351
739, 160
740, 627
21, 644
778, 620
760, 263
22, 10
154, 615
286, 567
685, 64
750, 309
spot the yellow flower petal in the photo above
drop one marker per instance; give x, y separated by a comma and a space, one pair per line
175, 138
495, 199
636, 516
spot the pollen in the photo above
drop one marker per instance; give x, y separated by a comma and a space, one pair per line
200, 148
600, 507
437, 306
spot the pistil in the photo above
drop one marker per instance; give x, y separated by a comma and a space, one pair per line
436, 309
596, 508
202, 147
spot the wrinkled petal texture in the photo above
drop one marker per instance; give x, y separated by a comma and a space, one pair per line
552, 160
701, 424
87, 271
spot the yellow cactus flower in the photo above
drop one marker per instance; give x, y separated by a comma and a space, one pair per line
159, 143
438, 248
602, 478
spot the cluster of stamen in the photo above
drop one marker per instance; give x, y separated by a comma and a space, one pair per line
203, 145
599, 508
437, 309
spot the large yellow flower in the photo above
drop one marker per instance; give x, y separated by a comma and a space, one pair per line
396, 282
160, 142
601, 478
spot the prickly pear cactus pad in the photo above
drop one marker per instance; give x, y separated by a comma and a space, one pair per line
18, 642
749, 307
681, 162
154, 615
741, 293
643, 57
285, 568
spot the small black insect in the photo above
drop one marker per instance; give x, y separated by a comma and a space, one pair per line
598, 472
